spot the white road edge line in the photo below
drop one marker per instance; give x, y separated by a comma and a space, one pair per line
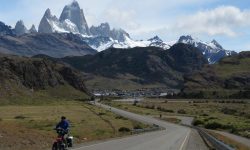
183, 143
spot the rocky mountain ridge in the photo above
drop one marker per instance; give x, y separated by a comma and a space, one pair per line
140, 66
229, 78
53, 44
22, 76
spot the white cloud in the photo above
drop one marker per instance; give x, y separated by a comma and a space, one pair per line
120, 18
223, 20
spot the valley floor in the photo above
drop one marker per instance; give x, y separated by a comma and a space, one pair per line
225, 115
31, 127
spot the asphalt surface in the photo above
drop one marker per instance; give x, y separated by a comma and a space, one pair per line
174, 137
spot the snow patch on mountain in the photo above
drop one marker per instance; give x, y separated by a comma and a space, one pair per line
101, 44
213, 51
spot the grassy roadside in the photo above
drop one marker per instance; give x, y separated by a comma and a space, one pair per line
232, 143
230, 116
30, 127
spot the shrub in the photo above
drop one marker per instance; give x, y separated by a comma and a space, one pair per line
181, 111
135, 103
20, 117
168, 110
212, 118
197, 122
101, 114
138, 126
150, 107
228, 111
120, 117
124, 129
213, 125
204, 115
165, 110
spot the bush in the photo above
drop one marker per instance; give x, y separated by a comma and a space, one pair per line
228, 111
213, 125
204, 115
197, 122
150, 107
181, 111
124, 129
165, 110
121, 117
101, 114
20, 117
217, 125
138, 126
212, 118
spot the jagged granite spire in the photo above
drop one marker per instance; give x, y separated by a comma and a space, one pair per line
33, 29
48, 22
20, 28
75, 14
104, 30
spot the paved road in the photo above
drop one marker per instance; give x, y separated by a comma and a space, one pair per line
175, 137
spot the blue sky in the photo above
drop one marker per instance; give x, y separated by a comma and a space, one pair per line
227, 21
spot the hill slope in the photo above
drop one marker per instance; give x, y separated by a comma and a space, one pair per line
229, 77
150, 66
54, 44
27, 79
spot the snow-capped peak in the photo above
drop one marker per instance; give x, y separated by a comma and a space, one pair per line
101, 43
213, 51
216, 44
155, 39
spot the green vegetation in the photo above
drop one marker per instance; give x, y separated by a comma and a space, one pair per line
230, 78
88, 122
232, 65
229, 115
49, 95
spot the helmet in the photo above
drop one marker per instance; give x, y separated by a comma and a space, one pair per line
63, 117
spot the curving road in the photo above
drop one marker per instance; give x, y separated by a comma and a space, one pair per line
174, 137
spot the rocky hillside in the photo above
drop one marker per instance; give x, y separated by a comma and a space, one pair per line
143, 66
22, 77
54, 44
229, 78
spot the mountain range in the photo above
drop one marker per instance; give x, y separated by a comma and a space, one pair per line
138, 67
52, 44
229, 78
99, 38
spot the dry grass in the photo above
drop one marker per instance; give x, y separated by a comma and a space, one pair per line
207, 112
88, 122
235, 144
